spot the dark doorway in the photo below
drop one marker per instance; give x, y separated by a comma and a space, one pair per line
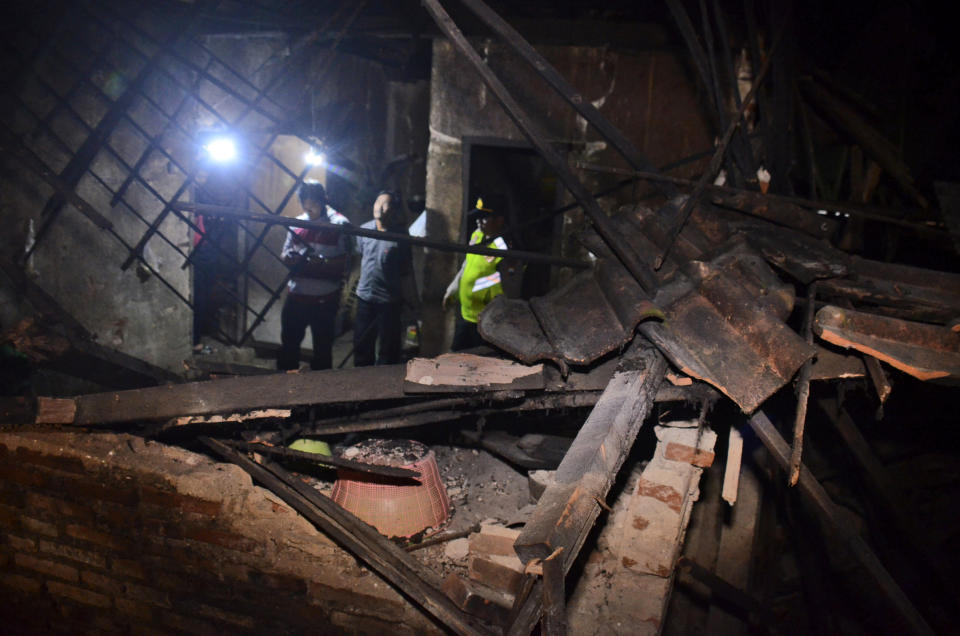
518, 173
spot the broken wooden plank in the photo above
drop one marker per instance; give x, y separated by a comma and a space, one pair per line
826, 510
241, 394
731, 472
566, 511
924, 351
465, 372
396, 567
259, 414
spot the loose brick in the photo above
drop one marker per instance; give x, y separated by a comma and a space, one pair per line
146, 594
22, 544
40, 527
184, 503
78, 594
50, 568
227, 540
90, 535
99, 581
22, 583
53, 462
75, 554
126, 567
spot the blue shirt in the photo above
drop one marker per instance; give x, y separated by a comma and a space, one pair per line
383, 264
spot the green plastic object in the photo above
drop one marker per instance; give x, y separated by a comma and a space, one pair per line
305, 445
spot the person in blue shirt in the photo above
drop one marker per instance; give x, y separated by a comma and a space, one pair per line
385, 271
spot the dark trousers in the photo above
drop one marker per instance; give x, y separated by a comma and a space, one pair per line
204, 310
296, 316
466, 335
377, 322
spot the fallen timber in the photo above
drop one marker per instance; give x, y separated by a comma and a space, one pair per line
566, 510
350, 230
331, 387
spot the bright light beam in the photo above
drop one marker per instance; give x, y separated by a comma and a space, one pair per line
315, 158
222, 149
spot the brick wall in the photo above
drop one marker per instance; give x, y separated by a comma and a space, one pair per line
104, 532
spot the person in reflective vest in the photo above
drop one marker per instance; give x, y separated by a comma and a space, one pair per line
478, 281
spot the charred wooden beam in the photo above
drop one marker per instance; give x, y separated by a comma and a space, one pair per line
566, 510
344, 386
398, 568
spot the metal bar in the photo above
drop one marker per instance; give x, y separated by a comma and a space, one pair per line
624, 252
350, 230
687, 208
563, 88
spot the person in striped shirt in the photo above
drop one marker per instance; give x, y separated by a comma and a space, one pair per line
318, 259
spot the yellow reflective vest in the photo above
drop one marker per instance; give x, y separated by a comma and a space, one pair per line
480, 281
